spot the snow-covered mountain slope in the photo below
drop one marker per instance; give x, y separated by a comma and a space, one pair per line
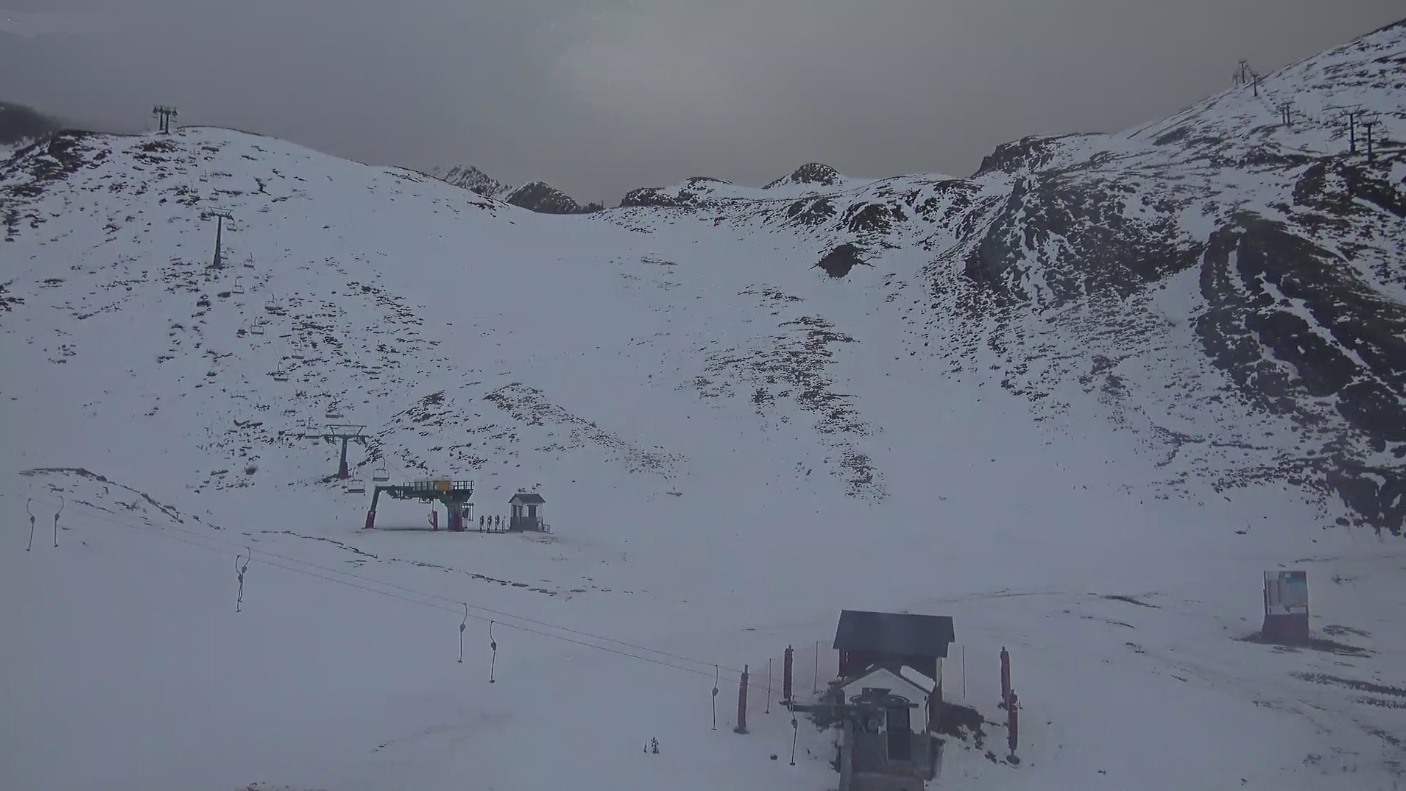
1228, 288
732, 445
537, 196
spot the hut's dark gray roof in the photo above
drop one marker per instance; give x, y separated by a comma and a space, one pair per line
527, 498
895, 634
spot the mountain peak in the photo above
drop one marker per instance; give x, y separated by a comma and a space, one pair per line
470, 178
537, 196
810, 173
543, 198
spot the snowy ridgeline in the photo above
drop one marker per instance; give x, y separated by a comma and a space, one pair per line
1087, 461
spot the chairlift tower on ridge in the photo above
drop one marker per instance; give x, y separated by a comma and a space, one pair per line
165, 113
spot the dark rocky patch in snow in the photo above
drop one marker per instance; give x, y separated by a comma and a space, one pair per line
8, 300
656, 196
838, 263
530, 407
794, 366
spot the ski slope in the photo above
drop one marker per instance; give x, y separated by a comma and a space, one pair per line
732, 447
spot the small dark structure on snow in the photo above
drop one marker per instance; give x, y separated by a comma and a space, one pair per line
527, 513
893, 640
838, 262
1285, 607
880, 750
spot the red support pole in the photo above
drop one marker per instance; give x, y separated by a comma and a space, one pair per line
1005, 679
1013, 716
786, 674
370, 520
742, 704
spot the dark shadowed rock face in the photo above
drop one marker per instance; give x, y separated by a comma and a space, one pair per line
1302, 335
1028, 153
543, 198
811, 173
1083, 239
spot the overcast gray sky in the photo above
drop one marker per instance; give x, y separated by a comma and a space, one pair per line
600, 96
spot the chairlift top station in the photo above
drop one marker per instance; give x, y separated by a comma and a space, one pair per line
455, 495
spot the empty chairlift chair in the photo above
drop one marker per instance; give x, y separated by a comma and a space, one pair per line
238, 285
381, 475
356, 486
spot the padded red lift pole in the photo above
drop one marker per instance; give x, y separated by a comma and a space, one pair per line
786, 674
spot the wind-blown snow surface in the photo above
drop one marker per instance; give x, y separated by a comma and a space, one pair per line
732, 447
